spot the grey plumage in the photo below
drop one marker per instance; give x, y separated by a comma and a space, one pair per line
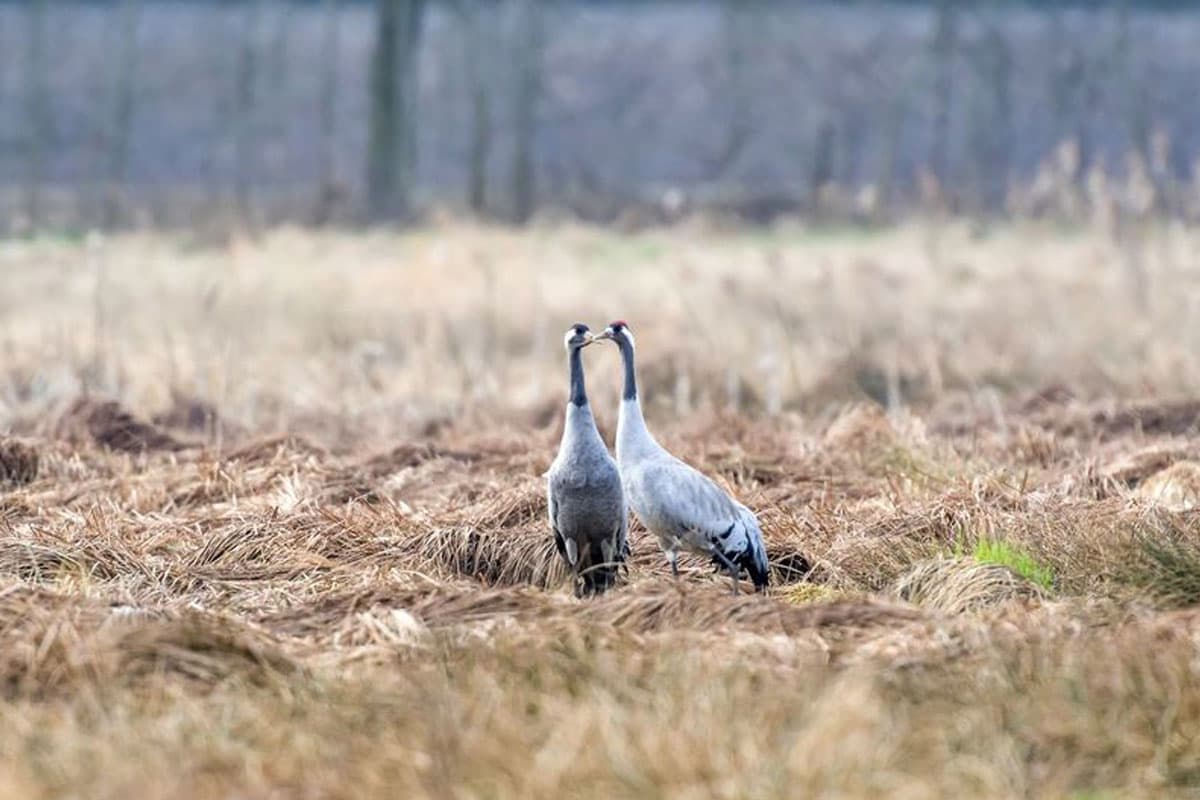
682, 507
585, 498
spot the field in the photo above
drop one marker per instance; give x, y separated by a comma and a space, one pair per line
272, 520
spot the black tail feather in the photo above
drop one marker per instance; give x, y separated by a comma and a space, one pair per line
759, 576
745, 561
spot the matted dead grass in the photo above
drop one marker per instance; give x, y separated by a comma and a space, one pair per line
295, 546
958, 586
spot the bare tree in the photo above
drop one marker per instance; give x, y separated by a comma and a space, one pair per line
391, 147
279, 17
1151, 144
528, 47
37, 109
823, 162
475, 57
331, 52
124, 94
281, 38
245, 112
474, 26
945, 47
1069, 90
740, 35
895, 112
991, 115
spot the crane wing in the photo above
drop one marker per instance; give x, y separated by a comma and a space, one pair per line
684, 501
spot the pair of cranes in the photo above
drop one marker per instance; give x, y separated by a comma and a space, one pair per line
588, 490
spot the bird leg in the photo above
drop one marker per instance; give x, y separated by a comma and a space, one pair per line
733, 571
673, 557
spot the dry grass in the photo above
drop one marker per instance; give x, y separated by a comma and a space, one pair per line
272, 521
957, 586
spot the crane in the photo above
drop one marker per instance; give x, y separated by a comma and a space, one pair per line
585, 497
684, 508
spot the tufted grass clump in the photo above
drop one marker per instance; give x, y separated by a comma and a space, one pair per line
1168, 570
995, 551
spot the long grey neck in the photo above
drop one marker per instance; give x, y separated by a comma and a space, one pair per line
633, 439
580, 428
578, 391
630, 390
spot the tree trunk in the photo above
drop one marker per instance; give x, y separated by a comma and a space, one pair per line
1137, 99
945, 45
822, 171
741, 32
331, 51
528, 57
37, 109
893, 133
245, 113
121, 125
475, 42
991, 141
391, 146
1069, 89
281, 39
272, 108
481, 147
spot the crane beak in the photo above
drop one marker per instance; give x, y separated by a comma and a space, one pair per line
588, 338
600, 337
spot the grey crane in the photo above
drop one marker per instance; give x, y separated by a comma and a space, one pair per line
678, 504
586, 501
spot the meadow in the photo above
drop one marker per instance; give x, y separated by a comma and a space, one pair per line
272, 515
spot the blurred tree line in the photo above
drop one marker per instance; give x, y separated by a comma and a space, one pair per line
929, 106
1168, 5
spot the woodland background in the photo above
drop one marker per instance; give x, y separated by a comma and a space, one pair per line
154, 113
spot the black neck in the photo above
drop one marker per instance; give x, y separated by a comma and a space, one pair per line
578, 392
630, 392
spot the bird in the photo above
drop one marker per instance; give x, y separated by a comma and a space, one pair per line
586, 501
681, 506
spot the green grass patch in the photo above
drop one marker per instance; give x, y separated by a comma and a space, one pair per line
992, 551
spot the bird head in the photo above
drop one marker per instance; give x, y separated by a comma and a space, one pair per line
577, 336
617, 332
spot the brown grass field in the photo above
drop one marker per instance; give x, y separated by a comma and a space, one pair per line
272, 516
